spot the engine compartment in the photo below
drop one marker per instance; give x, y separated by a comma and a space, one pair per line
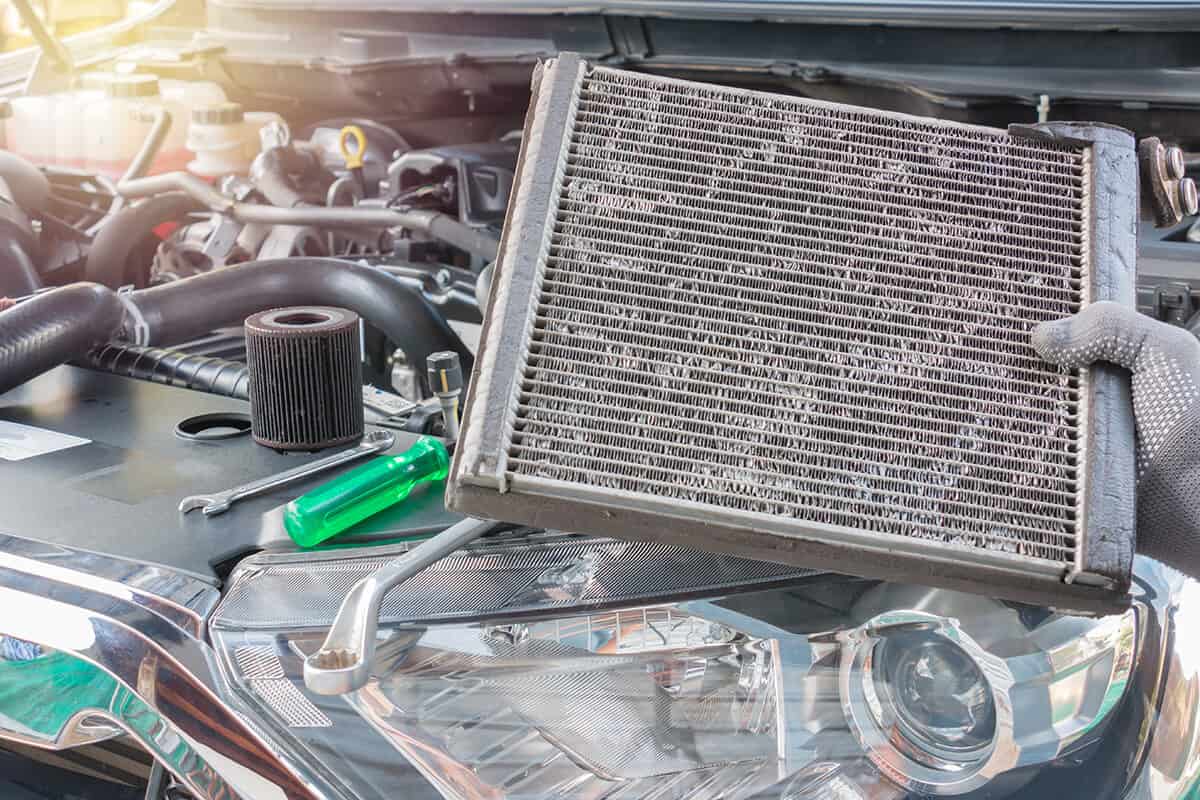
402, 226
321, 215
403, 235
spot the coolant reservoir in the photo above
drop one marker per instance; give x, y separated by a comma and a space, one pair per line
49, 129
69, 136
29, 132
117, 123
101, 126
224, 139
182, 98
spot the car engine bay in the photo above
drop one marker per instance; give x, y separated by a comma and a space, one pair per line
244, 244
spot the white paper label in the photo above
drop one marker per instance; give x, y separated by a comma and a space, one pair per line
19, 442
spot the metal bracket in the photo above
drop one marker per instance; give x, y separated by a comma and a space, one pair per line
1166, 190
141, 329
1173, 303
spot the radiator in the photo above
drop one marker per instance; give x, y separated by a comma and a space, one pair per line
799, 331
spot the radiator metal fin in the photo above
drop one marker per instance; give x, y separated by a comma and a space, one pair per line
795, 320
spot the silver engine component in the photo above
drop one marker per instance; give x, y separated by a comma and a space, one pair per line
800, 331
220, 241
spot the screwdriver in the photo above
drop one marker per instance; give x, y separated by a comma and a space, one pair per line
363, 492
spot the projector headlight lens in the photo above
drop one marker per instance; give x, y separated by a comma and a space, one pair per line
941, 714
935, 694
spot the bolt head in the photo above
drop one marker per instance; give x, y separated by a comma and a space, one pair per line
1176, 168
1188, 197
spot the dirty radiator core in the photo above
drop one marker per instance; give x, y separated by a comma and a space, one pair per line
800, 331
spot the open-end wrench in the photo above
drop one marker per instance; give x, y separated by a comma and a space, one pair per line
343, 664
219, 502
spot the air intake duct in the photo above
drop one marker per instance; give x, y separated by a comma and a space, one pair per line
305, 377
800, 331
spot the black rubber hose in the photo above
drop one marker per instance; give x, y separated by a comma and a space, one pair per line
174, 368
109, 256
55, 327
189, 308
66, 323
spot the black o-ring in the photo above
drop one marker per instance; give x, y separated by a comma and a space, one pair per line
197, 428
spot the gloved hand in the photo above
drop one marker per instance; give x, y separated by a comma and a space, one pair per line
1165, 362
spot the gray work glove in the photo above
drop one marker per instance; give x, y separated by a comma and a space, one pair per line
1165, 363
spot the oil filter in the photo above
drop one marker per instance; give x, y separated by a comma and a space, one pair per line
305, 377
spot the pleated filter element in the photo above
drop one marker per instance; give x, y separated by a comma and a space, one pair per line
305, 365
799, 331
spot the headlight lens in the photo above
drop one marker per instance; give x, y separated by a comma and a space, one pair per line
678, 700
941, 714
933, 692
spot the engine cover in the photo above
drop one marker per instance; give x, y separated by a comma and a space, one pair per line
116, 488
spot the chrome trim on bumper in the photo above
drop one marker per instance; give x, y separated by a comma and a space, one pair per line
180, 599
137, 657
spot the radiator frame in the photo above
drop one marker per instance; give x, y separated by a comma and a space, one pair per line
479, 484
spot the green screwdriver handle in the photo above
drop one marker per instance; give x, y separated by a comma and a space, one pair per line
363, 492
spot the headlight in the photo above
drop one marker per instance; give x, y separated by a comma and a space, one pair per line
517, 678
940, 714
933, 693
